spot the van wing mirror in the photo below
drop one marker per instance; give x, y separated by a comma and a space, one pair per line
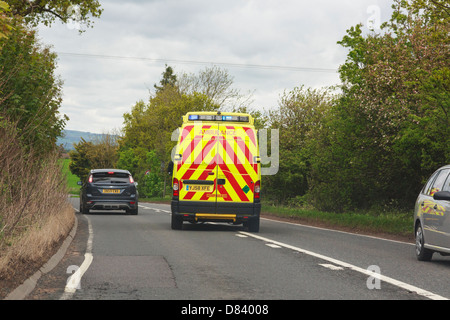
170, 168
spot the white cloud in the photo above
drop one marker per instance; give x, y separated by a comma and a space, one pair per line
290, 33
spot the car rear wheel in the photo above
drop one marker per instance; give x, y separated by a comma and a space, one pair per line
422, 253
83, 208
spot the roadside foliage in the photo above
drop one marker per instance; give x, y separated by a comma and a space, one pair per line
34, 212
371, 144
49, 11
389, 129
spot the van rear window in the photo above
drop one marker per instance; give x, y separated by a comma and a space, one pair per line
116, 177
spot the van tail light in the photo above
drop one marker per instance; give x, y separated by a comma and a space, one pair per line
91, 178
131, 179
175, 187
257, 189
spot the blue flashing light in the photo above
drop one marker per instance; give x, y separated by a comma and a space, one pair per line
197, 117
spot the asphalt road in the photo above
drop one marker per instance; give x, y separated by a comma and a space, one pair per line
116, 256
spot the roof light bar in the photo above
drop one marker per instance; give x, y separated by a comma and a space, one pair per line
196, 117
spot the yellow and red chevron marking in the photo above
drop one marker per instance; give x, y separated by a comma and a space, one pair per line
233, 187
228, 152
430, 207
433, 191
236, 167
203, 176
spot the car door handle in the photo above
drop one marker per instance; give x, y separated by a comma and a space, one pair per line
211, 173
221, 181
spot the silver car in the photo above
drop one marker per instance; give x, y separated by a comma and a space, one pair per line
431, 216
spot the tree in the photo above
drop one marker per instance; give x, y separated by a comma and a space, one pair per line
80, 164
33, 92
150, 126
217, 85
297, 118
98, 154
166, 110
152, 182
48, 11
389, 130
128, 160
168, 79
149, 129
5, 20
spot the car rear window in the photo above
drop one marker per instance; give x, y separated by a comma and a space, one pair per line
105, 177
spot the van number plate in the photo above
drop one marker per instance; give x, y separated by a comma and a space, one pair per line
203, 188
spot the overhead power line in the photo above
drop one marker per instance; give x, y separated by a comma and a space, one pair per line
225, 64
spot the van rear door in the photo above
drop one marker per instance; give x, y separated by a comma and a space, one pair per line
217, 163
236, 164
197, 170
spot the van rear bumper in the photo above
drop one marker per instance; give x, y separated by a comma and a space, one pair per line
215, 211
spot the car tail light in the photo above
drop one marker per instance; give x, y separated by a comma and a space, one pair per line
91, 178
131, 179
257, 189
175, 187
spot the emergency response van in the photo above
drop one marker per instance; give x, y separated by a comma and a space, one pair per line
216, 170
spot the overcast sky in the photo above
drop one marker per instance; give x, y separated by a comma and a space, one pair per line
266, 46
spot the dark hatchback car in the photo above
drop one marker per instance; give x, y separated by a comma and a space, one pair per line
109, 189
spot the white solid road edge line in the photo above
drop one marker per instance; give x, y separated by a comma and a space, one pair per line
338, 231
369, 273
73, 283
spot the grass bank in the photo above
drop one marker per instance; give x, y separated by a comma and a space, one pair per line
35, 214
72, 180
389, 223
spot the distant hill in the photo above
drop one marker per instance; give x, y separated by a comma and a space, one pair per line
71, 136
